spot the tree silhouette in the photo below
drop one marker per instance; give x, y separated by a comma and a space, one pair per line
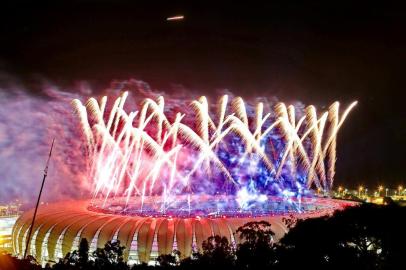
83, 253
110, 257
167, 260
364, 237
8, 262
256, 249
217, 251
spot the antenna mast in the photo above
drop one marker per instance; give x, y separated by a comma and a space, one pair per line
38, 200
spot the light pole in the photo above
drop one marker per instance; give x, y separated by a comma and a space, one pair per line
386, 192
360, 189
380, 188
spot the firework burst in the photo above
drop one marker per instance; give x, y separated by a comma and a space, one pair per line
154, 159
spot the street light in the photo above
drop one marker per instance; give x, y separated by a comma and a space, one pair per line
386, 192
400, 188
360, 189
339, 190
380, 188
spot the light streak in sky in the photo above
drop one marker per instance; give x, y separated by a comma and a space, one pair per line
175, 18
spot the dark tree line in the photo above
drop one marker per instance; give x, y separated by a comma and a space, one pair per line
363, 237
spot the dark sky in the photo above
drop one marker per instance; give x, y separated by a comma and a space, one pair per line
315, 52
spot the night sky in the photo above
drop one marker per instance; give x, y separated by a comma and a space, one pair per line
315, 52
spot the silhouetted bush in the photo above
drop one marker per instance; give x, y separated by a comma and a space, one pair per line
9, 262
363, 237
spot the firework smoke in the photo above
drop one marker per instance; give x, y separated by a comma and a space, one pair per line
27, 126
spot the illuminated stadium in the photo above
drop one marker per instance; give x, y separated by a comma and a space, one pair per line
167, 175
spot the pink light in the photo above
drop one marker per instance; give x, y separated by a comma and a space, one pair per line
175, 18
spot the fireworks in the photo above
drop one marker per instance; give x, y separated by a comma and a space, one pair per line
158, 160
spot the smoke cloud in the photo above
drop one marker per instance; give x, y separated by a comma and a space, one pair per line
27, 125
29, 121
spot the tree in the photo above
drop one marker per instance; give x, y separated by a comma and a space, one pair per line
77, 259
10, 262
216, 252
256, 247
110, 257
83, 253
167, 260
305, 245
364, 237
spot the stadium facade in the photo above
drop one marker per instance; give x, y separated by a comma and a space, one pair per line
9, 213
60, 226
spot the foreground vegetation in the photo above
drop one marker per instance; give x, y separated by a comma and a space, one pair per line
363, 237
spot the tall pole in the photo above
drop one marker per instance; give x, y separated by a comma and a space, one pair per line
38, 200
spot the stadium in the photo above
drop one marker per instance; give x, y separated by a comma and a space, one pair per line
60, 226
163, 180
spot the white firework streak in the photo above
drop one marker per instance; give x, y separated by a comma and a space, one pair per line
126, 160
